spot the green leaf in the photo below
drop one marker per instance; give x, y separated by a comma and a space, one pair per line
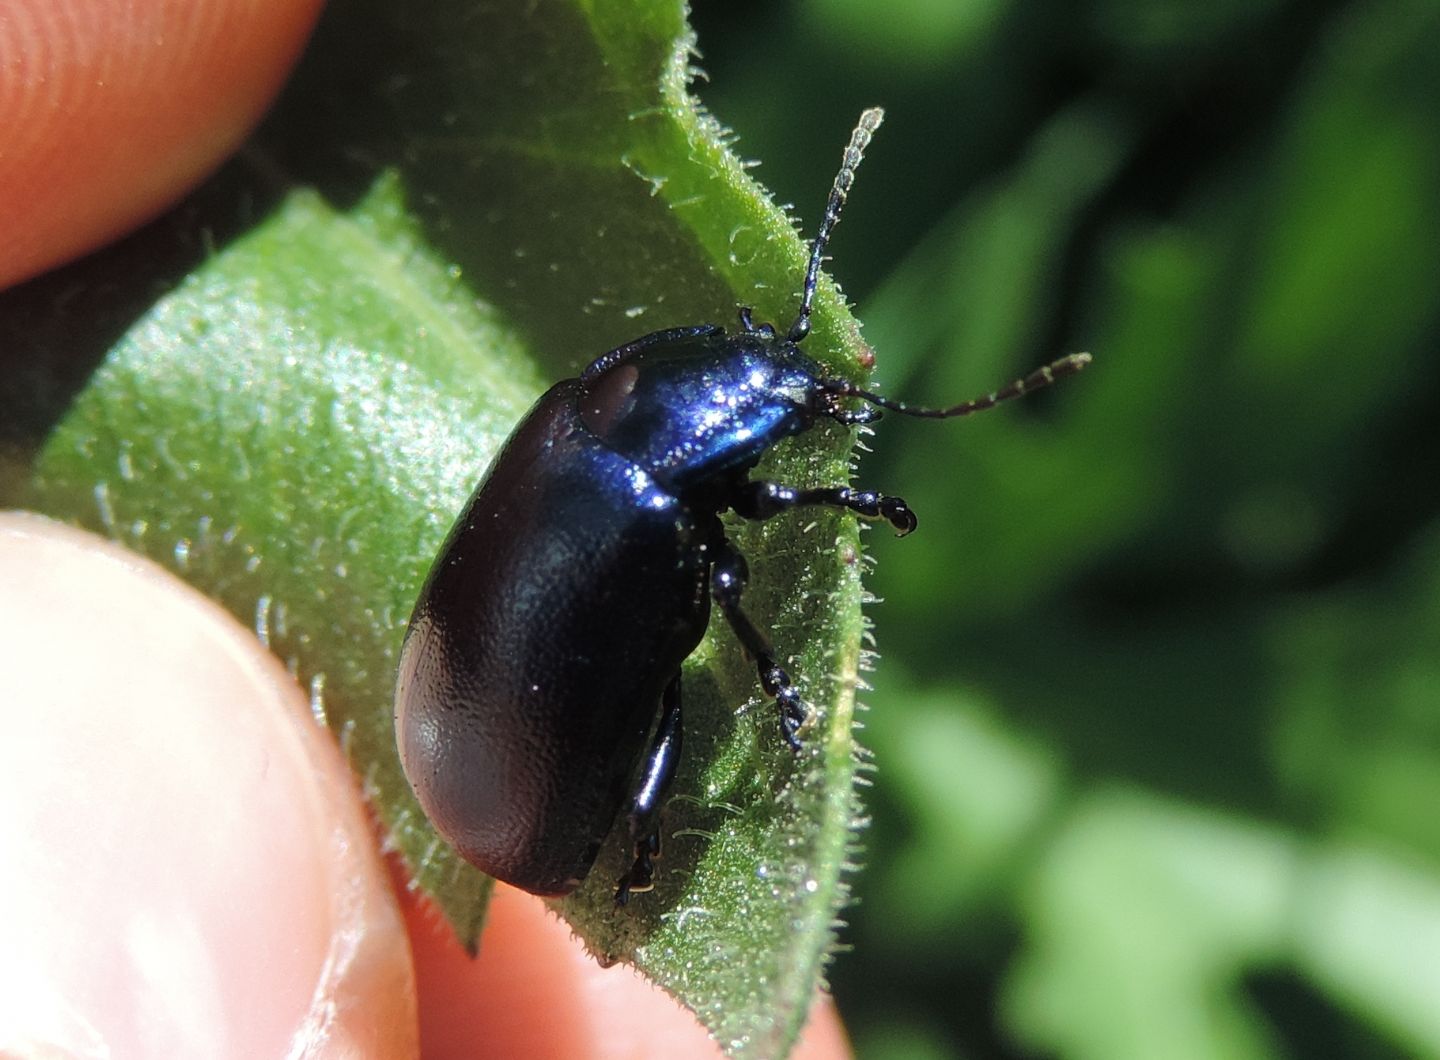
293, 427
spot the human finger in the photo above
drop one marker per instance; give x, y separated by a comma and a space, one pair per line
113, 111
533, 991
189, 870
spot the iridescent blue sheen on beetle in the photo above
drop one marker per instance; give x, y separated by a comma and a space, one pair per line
539, 692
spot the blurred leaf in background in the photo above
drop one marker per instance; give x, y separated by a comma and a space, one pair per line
1157, 716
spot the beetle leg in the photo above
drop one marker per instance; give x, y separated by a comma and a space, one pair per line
748, 325
727, 582
643, 814
761, 500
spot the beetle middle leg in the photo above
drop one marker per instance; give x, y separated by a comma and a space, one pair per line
643, 814
762, 499
728, 577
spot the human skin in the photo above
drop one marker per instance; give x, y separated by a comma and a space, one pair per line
190, 868
113, 109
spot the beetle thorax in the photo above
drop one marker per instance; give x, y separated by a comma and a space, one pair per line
690, 410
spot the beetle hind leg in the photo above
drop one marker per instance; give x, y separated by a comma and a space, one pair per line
643, 813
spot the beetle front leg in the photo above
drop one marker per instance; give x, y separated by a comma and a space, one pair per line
761, 500
728, 577
643, 814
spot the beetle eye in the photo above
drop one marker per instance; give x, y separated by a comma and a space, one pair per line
607, 398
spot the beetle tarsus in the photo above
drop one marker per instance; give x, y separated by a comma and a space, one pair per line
899, 514
656, 775
793, 712
641, 876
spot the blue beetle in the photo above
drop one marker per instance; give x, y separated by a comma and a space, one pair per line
539, 690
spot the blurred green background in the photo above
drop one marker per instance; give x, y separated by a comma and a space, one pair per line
1157, 717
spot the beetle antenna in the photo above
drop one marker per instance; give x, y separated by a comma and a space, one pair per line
849, 163
1036, 380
